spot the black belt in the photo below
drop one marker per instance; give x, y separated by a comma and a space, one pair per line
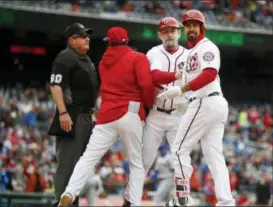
211, 94
86, 110
166, 111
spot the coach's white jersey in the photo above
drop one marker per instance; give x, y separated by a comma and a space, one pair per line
161, 59
205, 54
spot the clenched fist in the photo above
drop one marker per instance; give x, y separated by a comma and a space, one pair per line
178, 75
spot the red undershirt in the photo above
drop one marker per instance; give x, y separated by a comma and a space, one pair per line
205, 77
162, 77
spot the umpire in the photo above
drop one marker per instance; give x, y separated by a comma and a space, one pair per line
74, 86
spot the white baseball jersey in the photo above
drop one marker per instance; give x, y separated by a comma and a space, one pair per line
161, 59
164, 165
205, 54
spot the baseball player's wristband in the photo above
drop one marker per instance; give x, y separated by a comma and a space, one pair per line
65, 112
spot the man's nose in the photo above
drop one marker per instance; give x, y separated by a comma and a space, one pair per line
191, 27
169, 33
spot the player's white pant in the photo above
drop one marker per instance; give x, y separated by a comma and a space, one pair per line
158, 125
130, 129
204, 120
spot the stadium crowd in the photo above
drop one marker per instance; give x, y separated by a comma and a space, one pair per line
230, 13
27, 160
234, 12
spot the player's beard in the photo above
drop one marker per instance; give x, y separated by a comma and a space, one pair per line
169, 44
191, 36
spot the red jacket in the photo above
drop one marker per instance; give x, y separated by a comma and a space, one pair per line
125, 76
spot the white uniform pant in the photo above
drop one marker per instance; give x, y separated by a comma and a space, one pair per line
130, 129
158, 125
204, 121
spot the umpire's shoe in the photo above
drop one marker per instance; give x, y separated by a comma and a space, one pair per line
66, 200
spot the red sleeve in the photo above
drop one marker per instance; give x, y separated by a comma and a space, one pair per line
144, 79
162, 77
205, 77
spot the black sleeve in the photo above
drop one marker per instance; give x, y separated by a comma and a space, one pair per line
60, 72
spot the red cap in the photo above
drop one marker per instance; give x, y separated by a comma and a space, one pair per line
117, 35
168, 22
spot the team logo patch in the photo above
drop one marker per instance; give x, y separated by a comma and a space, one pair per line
192, 63
181, 65
208, 56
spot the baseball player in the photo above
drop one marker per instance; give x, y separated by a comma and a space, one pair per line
92, 189
164, 171
167, 61
126, 87
205, 116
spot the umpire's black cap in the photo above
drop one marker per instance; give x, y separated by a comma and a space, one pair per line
77, 29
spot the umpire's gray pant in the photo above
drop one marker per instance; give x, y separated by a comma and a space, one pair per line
69, 151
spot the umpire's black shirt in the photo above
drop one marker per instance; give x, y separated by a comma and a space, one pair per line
77, 76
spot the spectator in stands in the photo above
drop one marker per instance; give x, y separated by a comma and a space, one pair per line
4, 180
18, 178
208, 190
243, 119
268, 118
121, 3
154, 7
35, 181
31, 118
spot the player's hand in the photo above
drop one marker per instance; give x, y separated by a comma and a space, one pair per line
170, 93
178, 75
66, 122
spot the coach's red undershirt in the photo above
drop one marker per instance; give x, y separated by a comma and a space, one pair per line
205, 77
162, 77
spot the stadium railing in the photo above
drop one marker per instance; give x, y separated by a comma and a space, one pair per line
12, 199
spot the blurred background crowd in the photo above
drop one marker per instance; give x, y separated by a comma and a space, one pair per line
27, 162
27, 153
235, 13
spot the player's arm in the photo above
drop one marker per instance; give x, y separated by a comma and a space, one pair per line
210, 64
144, 79
159, 76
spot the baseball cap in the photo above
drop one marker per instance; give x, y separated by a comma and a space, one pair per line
116, 35
77, 29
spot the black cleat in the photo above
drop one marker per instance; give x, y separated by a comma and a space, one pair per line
126, 203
